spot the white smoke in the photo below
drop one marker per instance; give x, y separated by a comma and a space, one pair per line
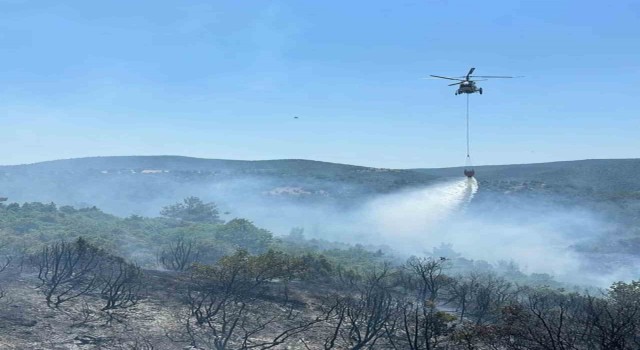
540, 237
538, 234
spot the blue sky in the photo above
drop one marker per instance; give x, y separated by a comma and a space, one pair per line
224, 79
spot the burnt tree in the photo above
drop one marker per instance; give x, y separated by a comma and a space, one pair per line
226, 307
3, 266
422, 326
428, 276
545, 319
180, 255
361, 320
68, 270
120, 284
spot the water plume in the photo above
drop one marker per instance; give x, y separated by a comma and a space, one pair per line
405, 219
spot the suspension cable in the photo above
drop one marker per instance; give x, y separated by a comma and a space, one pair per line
467, 125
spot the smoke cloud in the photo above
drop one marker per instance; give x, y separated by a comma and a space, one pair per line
537, 234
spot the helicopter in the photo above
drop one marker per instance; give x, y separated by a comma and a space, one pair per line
468, 85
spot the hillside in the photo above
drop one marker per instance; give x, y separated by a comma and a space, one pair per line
143, 184
600, 176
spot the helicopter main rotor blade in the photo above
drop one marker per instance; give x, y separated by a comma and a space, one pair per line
470, 72
455, 84
437, 76
492, 76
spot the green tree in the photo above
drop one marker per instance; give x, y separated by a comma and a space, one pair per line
243, 234
193, 209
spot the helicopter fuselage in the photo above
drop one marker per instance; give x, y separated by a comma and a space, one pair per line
467, 83
468, 87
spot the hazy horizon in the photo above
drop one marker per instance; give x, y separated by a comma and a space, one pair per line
305, 159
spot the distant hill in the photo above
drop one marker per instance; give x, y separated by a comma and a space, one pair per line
607, 186
143, 184
594, 175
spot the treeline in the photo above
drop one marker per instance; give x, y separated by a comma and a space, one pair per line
185, 232
231, 285
30, 225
